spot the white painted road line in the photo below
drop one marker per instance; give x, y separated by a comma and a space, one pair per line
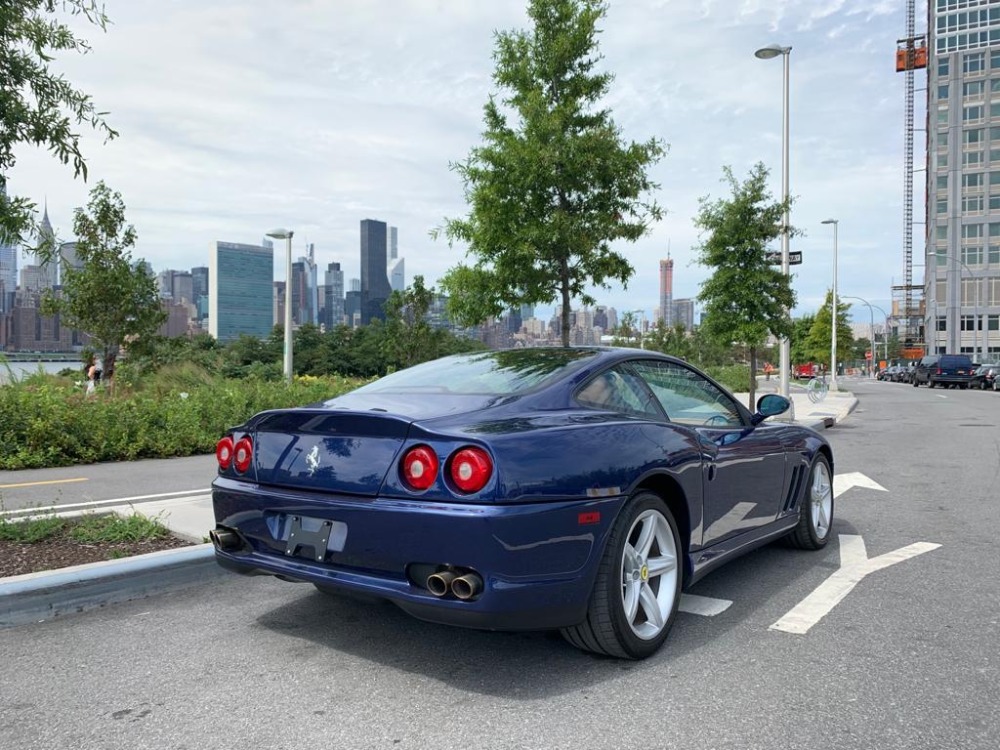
843, 482
93, 504
854, 565
705, 606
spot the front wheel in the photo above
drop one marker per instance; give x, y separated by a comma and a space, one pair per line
816, 509
634, 601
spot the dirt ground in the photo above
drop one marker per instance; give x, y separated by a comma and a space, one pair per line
60, 551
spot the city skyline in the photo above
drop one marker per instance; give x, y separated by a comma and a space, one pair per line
224, 153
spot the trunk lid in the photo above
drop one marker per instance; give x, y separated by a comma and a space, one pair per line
329, 450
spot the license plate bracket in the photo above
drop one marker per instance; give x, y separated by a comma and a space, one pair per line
314, 537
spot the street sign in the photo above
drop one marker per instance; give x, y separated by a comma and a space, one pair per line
794, 257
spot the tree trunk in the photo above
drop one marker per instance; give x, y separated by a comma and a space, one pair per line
564, 288
753, 379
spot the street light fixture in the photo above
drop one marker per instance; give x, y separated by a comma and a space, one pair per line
834, 310
978, 352
767, 53
642, 344
286, 234
871, 315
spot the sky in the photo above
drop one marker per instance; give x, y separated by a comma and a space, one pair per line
237, 117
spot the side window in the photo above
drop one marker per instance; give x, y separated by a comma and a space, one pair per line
618, 390
687, 397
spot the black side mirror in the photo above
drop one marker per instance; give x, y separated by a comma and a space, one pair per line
770, 405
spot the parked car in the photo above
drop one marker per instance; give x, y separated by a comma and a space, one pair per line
944, 369
985, 377
578, 489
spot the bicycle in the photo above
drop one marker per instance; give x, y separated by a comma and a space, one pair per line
816, 389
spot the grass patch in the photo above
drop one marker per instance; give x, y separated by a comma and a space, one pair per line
30, 532
114, 528
89, 529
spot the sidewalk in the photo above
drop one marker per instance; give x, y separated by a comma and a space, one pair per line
831, 409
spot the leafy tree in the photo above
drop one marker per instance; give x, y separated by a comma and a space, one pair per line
747, 297
627, 332
110, 297
37, 106
549, 193
798, 342
408, 337
671, 340
818, 343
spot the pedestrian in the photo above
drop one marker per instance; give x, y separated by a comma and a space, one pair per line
91, 378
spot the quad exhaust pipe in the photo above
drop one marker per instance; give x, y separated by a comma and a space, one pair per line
461, 584
225, 539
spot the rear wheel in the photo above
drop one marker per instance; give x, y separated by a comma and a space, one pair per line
816, 508
638, 587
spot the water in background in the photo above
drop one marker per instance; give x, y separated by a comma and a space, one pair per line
18, 369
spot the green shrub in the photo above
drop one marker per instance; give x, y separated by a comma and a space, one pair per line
734, 377
180, 412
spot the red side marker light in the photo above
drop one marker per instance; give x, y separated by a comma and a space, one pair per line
589, 517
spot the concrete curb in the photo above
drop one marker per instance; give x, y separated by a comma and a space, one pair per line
36, 597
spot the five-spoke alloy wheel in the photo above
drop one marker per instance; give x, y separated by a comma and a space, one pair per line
815, 509
638, 586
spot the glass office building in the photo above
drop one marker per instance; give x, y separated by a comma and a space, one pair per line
962, 271
240, 279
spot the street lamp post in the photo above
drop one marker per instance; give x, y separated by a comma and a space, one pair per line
871, 315
642, 344
834, 310
977, 351
767, 53
286, 234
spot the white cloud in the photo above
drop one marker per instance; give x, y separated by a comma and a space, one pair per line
236, 117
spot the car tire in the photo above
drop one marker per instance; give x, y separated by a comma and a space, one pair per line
930, 383
633, 604
815, 509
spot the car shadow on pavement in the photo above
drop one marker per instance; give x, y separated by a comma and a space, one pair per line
533, 665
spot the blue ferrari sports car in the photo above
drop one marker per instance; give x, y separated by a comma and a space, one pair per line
578, 489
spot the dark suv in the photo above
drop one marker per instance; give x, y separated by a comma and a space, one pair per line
944, 369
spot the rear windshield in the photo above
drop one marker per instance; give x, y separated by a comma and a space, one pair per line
487, 373
955, 361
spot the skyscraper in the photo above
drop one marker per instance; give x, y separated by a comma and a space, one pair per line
240, 296
334, 297
8, 276
962, 272
375, 289
667, 291
48, 273
199, 288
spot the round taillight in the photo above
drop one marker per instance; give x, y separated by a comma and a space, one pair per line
224, 452
242, 454
420, 467
471, 469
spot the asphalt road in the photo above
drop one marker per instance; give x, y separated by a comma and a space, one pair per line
140, 480
908, 659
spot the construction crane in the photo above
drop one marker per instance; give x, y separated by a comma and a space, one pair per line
911, 55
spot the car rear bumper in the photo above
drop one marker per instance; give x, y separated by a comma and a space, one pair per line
537, 561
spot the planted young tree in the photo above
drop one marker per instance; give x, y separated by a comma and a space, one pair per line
554, 184
37, 106
110, 297
747, 297
821, 333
